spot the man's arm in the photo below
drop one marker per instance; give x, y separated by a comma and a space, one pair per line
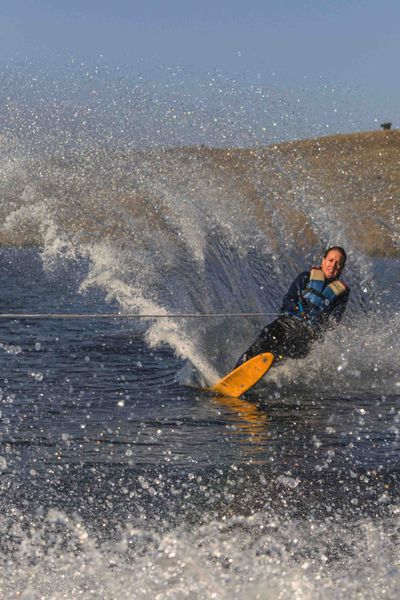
290, 302
339, 307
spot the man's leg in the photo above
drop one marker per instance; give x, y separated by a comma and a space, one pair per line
270, 339
297, 338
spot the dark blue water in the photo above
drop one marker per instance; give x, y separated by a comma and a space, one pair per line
129, 484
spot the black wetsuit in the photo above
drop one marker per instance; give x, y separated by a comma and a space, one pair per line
292, 333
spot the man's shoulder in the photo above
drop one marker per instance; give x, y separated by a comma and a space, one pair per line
303, 276
346, 285
343, 297
300, 280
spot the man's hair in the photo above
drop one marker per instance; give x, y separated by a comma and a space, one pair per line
338, 249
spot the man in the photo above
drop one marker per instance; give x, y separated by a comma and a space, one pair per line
315, 301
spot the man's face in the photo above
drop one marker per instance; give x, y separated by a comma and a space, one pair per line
332, 264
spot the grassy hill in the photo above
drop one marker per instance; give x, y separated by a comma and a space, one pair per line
339, 189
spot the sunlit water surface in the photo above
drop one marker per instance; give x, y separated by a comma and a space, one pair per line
117, 481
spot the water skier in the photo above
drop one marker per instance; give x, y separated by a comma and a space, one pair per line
315, 301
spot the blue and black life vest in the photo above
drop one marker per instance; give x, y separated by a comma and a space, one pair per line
319, 297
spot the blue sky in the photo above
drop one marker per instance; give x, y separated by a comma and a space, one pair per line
305, 46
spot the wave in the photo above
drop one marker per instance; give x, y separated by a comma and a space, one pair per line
264, 554
208, 230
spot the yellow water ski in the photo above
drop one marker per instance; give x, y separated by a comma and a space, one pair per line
238, 381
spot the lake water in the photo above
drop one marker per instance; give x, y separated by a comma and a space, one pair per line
119, 482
